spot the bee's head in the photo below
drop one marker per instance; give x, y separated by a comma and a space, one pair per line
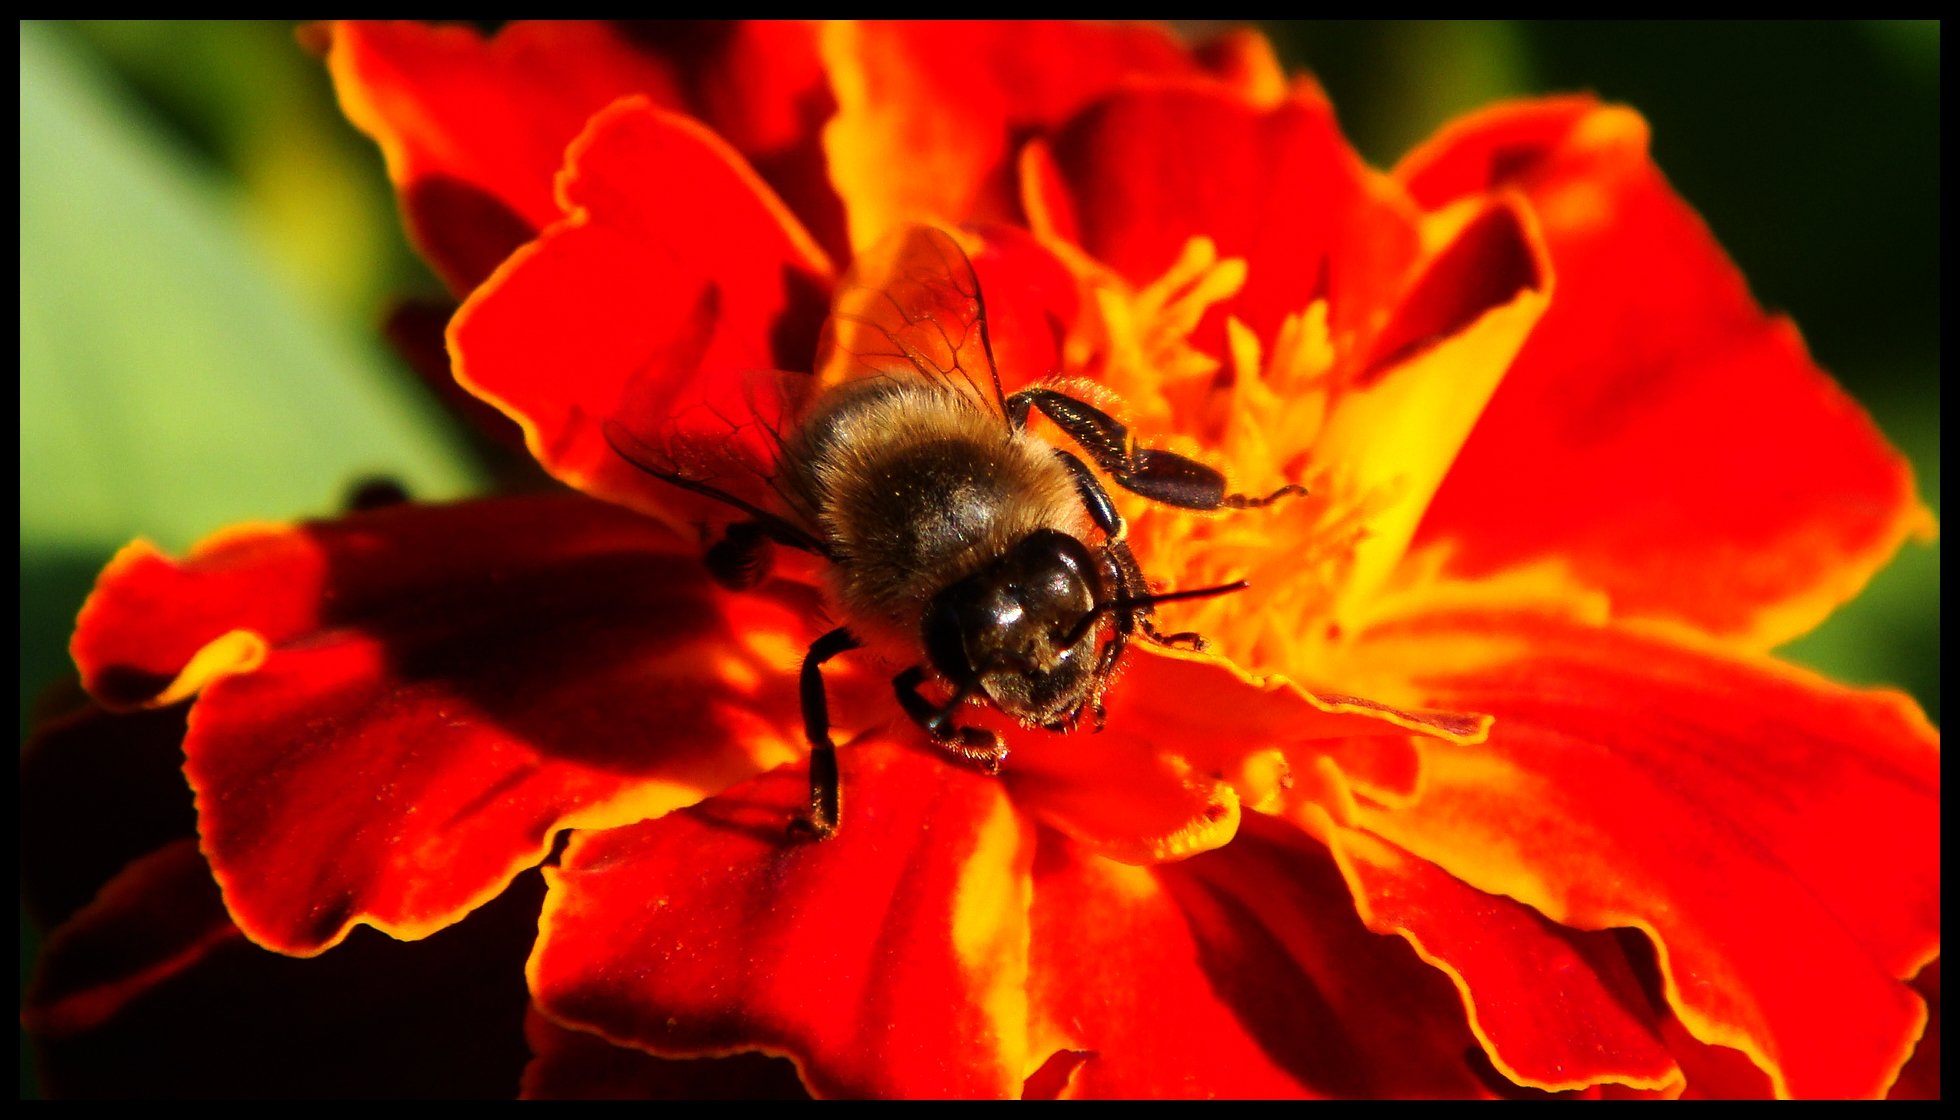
1014, 629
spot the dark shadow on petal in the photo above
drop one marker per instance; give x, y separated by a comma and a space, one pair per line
1488, 265
97, 790
1346, 1011
793, 337
375, 1017
1052, 1080
574, 1065
1920, 1080
593, 618
1502, 1086
417, 331
463, 230
1277, 1003
762, 821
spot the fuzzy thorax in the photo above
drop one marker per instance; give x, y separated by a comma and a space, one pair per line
915, 487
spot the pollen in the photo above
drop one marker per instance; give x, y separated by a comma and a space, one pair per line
1147, 355
1257, 410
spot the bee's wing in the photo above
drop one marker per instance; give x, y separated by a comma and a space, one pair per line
721, 438
911, 307
736, 481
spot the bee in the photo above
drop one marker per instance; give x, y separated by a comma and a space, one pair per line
955, 541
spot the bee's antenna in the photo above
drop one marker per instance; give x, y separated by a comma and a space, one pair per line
1174, 596
1131, 602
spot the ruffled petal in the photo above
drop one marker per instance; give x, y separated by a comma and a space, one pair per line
1556, 1009
1659, 434
760, 84
404, 706
1190, 740
474, 129
200, 1013
1145, 171
1763, 826
1241, 973
927, 111
573, 1065
674, 280
888, 960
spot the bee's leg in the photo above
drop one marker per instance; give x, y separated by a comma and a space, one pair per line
973, 745
1161, 476
822, 820
1189, 639
1095, 499
1125, 581
742, 557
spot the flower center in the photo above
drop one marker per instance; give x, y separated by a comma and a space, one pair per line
1256, 410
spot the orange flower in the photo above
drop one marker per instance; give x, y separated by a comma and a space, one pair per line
1617, 846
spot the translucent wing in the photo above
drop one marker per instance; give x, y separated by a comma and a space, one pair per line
731, 463
911, 307
713, 434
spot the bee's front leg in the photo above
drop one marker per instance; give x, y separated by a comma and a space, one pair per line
974, 746
822, 821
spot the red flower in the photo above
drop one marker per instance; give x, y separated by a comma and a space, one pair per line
1565, 478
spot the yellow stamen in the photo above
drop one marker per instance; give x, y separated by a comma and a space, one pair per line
1258, 413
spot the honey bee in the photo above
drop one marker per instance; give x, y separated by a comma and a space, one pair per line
956, 542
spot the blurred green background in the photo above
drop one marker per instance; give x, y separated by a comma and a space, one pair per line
207, 250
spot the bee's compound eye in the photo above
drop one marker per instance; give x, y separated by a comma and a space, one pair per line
1055, 575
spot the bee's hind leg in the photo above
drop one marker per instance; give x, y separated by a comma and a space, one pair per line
972, 745
822, 821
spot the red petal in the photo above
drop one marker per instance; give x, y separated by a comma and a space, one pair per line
377, 1018
474, 129
1777, 835
985, 314
1241, 973
433, 692
1714, 1072
888, 960
1556, 1009
1188, 738
1032, 301
761, 86
1146, 171
927, 111
675, 276
1744, 493
1244, 60
574, 1065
